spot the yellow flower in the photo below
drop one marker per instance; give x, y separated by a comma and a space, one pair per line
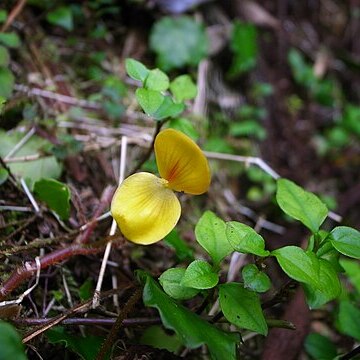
145, 206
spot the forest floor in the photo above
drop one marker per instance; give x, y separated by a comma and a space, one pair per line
289, 95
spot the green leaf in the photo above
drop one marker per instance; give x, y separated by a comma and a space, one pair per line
349, 319
62, 16
168, 109
10, 39
157, 80
55, 194
4, 56
136, 70
210, 234
303, 72
337, 137
183, 88
351, 119
178, 41
156, 337
328, 286
242, 307
157, 105
245, 239
321, 283
3, 16
184, 125
200, 275
86, 290
170, 281
243, 43
113, 88
248, 128
182, 249
2, 104
320, 347
4, 174
331, 255
300, 204
193, 331
346, 240
7, 82
149, 100
254, 279
86, 347
113, 109
352, 270
10, 343
299, 265
46, 167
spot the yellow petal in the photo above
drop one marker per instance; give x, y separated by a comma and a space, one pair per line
181, 162
145, 209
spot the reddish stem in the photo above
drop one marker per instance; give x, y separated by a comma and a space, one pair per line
29, 268
78, 248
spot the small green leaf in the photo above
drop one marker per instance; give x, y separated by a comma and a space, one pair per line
10, 39
183, 88
10, 343
157, 80
320, 347
136, 70
349, 319
182, 249
158, 338
350, 119
320, 280
245, 239
168, 109
186, 126
4, 56
86, 347
254, 279
170, 281
302, 72
217, 144
157, 105
4, 174
62, 16
192, 330
242, 307
2, 104
3, 16
243, 43
210, 234
46, 167
149, 100
328, 286
200, 275
248, 128
298, 264
352, 270
86, 290
7, 82
55, 194
300, 204
346, 240
178, 41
